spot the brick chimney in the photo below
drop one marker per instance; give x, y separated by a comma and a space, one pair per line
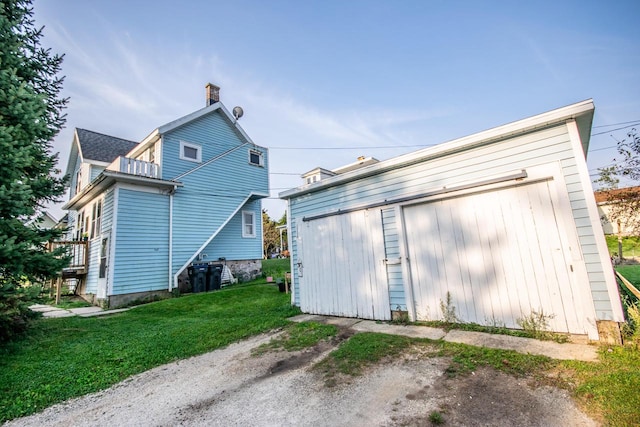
213, 93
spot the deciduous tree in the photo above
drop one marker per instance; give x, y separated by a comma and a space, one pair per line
623, 204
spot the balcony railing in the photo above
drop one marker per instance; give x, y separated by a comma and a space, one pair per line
135, 167
78, 254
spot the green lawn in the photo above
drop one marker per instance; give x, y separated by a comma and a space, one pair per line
630, 245
63, 358
276, 267
69, 357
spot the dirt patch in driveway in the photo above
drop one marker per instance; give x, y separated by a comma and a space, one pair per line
231, 387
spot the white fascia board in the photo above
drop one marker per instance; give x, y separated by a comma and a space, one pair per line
97, 163
108, 178
74, 142
151, 138
202, 112
583, 109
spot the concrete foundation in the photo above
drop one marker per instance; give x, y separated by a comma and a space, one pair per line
609, 332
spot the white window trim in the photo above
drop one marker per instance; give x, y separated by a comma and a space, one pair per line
260, 155
197, 147
253, 225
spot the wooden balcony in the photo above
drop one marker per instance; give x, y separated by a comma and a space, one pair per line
78, 251
135, 167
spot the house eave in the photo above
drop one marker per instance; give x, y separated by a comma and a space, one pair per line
107, 178
582, 112
202, 112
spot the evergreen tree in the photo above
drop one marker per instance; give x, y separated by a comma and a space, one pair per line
31, 114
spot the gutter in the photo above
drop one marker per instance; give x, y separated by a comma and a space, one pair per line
540, 121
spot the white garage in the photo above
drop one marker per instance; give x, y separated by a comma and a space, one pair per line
501, 223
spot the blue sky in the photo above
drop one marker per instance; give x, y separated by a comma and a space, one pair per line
345, 76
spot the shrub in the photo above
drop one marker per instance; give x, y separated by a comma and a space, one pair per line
14, 308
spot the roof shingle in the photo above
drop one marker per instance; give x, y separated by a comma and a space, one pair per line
101, 147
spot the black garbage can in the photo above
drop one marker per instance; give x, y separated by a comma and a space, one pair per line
214, 278
198, 276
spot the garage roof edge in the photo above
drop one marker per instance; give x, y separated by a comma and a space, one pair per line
580, 111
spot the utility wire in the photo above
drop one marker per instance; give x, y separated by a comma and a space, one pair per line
616, 124
613, 130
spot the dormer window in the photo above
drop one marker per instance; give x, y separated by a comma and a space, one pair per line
191, 152
255, 158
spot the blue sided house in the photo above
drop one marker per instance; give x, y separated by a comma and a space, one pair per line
190, 192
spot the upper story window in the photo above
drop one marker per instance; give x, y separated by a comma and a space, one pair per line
78, 180
152, 153
248, 224
191, 152
256, 158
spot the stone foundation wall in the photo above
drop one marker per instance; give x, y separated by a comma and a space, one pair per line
243, 271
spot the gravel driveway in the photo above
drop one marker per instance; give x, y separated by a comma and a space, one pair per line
229, 387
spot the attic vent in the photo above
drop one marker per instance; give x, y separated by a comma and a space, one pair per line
213, 93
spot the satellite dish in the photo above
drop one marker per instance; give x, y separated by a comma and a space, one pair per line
237, 112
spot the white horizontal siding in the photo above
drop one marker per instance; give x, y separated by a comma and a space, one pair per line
142, 242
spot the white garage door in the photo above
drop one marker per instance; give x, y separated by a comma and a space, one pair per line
500, 254
341, 262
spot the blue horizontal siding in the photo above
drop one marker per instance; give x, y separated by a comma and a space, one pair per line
397, 300
142, 242
229, 242
212, 193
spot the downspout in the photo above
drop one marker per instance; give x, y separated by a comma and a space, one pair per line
171, 279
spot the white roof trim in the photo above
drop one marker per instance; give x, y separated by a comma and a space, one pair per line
107, 178
560, 115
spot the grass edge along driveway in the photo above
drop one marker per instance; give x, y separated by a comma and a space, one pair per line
63, 358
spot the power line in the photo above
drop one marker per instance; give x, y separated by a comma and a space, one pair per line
616, 124
378, 147
384, 147
613, 130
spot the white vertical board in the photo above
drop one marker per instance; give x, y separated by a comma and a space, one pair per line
343, 266
501, 254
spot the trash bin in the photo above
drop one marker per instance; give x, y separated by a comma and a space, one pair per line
198, 277
214, 278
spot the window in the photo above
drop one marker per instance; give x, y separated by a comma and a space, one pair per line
96, 219
80, 226
248, 224
191, 152
255, 158
102, 271
78, 181
152, 153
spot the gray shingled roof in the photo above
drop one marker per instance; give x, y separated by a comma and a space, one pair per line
101, 147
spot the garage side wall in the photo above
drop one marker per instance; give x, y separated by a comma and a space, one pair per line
550, 145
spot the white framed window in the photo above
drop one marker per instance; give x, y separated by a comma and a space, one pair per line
256, 158
96, 219
248, 224
191, 152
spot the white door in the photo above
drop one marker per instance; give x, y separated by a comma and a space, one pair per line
102, 267
501, 255
341, 266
